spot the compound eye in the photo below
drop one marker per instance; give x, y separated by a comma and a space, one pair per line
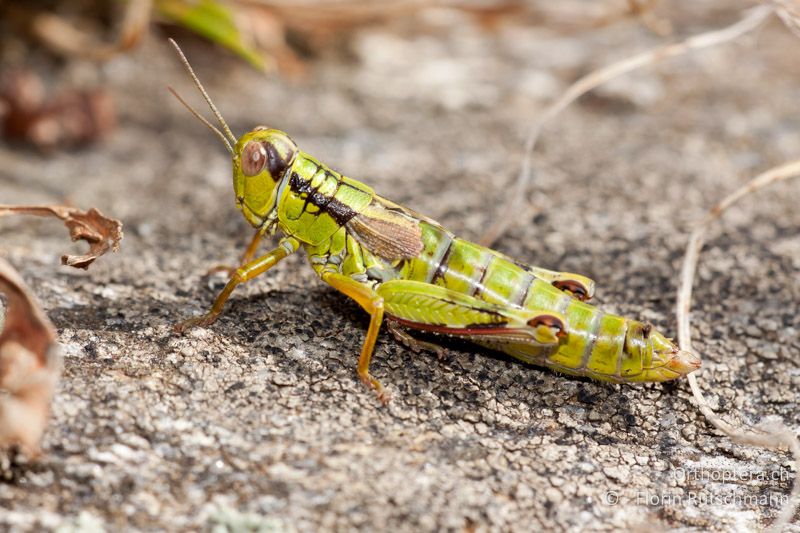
254, 157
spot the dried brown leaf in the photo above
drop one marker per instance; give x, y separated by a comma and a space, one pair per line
70, 118
29, 361
29, 365
101, 232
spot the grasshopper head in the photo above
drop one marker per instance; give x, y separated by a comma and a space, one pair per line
261, 159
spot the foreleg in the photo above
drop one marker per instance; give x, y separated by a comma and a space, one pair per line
244, 273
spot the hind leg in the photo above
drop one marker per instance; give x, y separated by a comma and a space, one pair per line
414, 344
418, 305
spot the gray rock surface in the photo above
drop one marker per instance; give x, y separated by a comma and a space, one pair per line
259, 420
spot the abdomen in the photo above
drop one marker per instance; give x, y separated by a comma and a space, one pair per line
598, 345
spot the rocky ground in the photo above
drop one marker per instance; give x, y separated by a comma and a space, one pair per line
259, 420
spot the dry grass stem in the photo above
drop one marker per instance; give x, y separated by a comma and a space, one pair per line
789, 12
64, 38
775, 436
517, 193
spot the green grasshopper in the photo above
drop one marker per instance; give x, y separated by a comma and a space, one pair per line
404, 268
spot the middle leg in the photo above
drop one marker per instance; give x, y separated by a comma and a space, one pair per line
372, 303
247, 256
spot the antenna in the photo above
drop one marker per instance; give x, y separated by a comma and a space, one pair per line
199, 85
201, 118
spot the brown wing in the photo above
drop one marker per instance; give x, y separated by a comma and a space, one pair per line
387, 233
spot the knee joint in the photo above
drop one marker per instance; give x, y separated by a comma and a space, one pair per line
239, 275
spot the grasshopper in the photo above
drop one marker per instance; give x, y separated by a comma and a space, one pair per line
405, 269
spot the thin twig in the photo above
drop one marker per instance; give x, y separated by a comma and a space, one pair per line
789, 12
517, 192
771, 438
62, 37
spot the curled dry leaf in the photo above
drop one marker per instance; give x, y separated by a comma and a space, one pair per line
29, 361
101, 232
29, 365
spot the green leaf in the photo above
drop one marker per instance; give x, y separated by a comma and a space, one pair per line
213, 20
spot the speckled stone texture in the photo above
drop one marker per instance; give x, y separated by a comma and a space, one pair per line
262, 411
